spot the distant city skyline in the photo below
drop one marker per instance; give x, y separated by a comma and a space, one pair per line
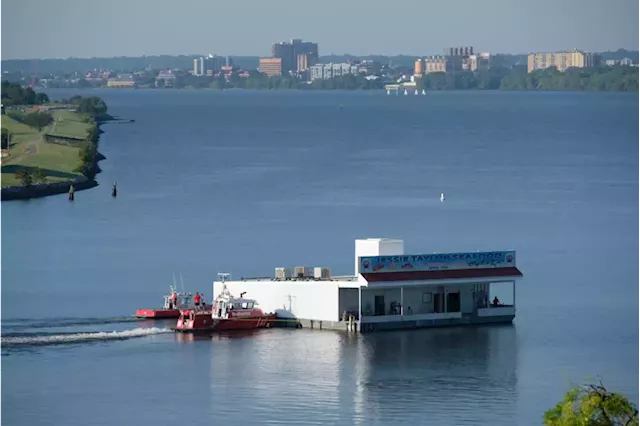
77, 28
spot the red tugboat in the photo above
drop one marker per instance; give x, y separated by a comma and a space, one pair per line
174, 302
228, 313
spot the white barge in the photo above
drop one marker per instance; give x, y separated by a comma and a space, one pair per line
391, 290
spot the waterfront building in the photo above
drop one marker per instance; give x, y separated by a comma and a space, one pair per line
390, 290
122, 80
288, 52
306, 60
331, 70
271, 66
561, 60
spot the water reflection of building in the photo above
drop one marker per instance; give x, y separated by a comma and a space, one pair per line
280, 373
451, 376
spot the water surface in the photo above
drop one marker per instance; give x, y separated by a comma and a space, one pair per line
243, 182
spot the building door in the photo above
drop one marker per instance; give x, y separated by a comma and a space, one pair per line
378, 305
453, 302
437, 302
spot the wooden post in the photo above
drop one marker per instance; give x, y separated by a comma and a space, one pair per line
114, 190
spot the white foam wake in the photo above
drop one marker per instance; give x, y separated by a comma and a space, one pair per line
59, 339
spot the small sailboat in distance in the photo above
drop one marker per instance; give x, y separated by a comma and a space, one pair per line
442, 197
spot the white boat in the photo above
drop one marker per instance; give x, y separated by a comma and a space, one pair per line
442, 197
423, 92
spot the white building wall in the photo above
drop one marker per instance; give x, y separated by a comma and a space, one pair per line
312, 300
349, 299
413, 298
377, 247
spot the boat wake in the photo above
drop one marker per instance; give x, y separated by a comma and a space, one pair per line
24, 323
13, 340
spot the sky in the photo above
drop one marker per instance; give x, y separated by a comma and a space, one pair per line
92, 28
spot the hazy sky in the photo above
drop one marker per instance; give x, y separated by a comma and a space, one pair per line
93, 28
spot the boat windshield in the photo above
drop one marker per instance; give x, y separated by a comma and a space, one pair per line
244, 304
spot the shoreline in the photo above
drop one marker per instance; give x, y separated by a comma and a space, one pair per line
45, 189
40, 190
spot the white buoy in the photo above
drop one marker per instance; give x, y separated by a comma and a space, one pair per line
405, 92
416, 92
388, 92
442, 197
423, 92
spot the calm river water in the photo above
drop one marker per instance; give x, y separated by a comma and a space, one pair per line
246, 181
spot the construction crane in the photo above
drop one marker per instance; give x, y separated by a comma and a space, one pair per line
35, 73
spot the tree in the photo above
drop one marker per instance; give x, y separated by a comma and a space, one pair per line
38, 119
6, 139
14, 94
41, 98
87, 159
592, 405
25, 176
92, 105
93, 134
38, 175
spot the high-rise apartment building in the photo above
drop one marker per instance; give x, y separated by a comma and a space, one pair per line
561, 60
271, 66
454, 59
213, 64
289, 51
306, 60
198, 66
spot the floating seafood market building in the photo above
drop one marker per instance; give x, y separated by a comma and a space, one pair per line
390, 290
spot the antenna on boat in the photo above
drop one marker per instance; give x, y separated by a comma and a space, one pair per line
181, 282
174, 280
223, 276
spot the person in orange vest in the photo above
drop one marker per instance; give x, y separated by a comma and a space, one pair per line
196, 299
174, 298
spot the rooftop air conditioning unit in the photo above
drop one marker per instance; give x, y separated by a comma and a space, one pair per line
303, 272
283, 273
321, 273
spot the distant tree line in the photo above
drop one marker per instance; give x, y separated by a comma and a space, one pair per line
15, 94
574, 79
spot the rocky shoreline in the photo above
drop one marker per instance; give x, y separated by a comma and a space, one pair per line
46, 188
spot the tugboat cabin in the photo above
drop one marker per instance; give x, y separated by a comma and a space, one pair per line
392, 290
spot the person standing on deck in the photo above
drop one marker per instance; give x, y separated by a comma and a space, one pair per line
174, 298
196, 300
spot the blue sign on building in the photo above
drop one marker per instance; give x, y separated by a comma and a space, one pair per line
437, 261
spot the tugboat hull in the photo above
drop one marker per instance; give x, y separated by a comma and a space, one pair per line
203, 322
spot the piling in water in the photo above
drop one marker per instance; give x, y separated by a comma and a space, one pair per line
72, 190
114, 190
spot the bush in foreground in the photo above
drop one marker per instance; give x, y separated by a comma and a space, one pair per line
592, 405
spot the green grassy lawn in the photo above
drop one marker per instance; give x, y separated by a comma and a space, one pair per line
28, 149
69, 124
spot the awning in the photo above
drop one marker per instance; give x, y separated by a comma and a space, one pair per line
443, 274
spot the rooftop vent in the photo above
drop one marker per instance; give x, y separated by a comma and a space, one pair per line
321, 273
283, 273
303, 272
